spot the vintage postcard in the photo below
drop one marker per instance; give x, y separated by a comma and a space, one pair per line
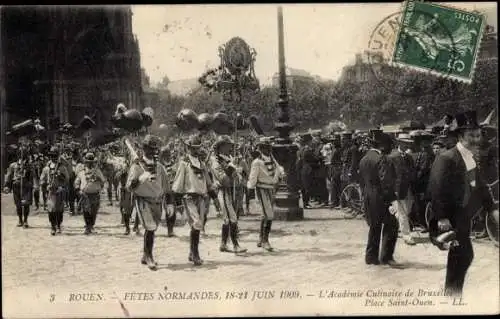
249, 160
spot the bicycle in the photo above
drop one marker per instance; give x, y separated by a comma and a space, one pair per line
353, 197
491, 218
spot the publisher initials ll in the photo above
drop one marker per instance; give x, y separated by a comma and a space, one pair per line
458, 302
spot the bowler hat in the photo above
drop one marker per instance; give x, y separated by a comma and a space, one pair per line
465, 120
53, 150
193, 141
221, 140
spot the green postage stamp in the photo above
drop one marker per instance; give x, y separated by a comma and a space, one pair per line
438, 39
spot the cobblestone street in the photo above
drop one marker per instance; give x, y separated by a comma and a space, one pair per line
314, 257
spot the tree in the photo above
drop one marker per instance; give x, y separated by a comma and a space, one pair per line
163, 85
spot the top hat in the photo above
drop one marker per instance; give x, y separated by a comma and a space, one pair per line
222, 140
306, 137
151, 141
89, 158
379, 138
404, 138
465, 120
194, 141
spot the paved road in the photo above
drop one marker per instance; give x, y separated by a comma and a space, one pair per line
321, 258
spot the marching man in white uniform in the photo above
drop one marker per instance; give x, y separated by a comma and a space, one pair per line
148, 181
88, 184
193, 182
264, 177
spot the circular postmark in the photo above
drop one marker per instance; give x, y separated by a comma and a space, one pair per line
390, 41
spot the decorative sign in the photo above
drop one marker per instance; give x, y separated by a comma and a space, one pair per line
237, 55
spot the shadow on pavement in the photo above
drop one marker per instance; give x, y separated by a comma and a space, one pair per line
333, 257
208, 265
282, 252
419, 265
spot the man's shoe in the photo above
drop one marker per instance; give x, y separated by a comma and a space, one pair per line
53, 232
223, 248
239, 250
25, 225
409, 241
267, 246
372, 262
127, 231
20, 224
87, 231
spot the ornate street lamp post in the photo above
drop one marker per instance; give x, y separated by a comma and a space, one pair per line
287, 197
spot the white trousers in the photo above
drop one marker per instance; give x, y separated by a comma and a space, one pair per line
403, 209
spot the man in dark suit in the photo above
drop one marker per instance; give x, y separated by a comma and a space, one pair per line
404, 174
455, 187
377, 185
305, 162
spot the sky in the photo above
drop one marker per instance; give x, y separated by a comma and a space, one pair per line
181, 41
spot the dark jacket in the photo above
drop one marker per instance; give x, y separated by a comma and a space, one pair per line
452, 196
404, 173
377, 185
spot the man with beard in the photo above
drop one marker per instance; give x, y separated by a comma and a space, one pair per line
455, 186
377, 185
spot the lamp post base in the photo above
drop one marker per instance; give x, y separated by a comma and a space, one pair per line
287, 206
287, 197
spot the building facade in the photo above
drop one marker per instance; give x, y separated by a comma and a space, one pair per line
295, 77
61, 63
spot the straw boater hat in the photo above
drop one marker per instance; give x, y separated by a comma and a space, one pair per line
404, 138
223, 140
346, 135
264, 142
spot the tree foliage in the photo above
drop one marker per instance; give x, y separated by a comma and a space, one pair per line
360, 105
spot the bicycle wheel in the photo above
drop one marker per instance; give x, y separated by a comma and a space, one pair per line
351, 195
492, 225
